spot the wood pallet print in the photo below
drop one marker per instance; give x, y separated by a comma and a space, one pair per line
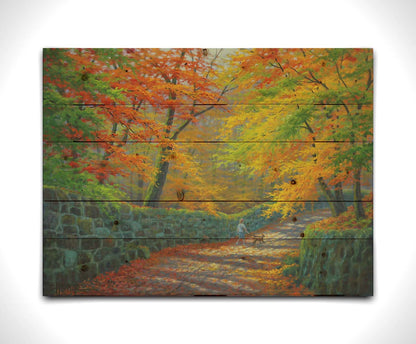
199, 172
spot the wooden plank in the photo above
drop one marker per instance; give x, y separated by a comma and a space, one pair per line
96, 122
151, 80
127, 221
190, 163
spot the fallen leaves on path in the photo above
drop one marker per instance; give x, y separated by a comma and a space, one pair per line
210, 269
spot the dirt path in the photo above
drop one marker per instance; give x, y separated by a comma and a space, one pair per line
217, 269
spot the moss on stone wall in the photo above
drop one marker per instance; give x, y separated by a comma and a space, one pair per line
337, 262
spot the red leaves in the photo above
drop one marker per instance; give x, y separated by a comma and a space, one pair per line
73, 133
99, 169
73, 164
350, 58
126, 94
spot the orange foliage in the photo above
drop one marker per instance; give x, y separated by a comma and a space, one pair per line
347, 220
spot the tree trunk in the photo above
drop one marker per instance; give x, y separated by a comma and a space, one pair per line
336, 205
154, 191
330, 197
339, 196
358, 205
337, 202
140, 185
107, 154
155, 188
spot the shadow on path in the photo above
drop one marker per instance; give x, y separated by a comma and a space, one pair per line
214, 269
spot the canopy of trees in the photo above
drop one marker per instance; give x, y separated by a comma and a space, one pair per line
152, 126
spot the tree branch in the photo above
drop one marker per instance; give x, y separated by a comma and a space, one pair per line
217, 54
342, 80
278, 65
302, 75
185, 124
340, 76
369, 80
317, 80
309, 129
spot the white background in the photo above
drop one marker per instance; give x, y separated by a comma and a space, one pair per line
28, 26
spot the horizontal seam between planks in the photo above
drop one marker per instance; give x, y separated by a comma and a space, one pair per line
206, 104
202, 201
189, 238
208, 141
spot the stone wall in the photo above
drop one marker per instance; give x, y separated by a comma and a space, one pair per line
337, 262
83, 239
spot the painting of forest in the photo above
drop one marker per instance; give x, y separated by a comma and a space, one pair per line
207, 172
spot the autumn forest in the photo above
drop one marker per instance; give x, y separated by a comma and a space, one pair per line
214, 131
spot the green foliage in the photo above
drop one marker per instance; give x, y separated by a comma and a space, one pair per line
294, 121
289, 260
359, 154
352, 233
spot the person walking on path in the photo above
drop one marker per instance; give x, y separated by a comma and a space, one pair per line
241, 228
